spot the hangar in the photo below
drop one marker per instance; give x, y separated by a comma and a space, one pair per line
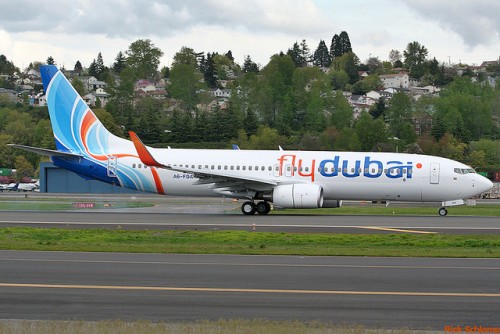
57, 180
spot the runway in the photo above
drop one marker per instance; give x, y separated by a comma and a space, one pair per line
412, 293
275, 223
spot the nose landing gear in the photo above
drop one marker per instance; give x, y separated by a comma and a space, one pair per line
442, 212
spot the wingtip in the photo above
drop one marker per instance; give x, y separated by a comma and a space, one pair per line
143, 152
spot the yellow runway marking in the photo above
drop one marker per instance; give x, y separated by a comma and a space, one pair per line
276, 291
395, 229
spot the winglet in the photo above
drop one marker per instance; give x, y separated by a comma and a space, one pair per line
143, 152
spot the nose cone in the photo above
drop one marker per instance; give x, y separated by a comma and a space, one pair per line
483, 184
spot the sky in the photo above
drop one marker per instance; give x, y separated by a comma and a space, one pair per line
453, 31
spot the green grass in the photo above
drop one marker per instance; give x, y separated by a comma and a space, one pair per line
368, 209
248, 242
63, 205
237, 326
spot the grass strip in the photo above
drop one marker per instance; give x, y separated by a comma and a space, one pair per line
66, 205
368, 209
249, 242
236, 326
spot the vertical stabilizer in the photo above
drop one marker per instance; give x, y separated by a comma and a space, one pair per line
76, 128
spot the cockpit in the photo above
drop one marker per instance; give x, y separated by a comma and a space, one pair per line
463, 171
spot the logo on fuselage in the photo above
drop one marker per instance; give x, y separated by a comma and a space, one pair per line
367, 167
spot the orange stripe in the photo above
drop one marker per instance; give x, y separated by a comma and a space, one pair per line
88, 119
156, 177
143, 152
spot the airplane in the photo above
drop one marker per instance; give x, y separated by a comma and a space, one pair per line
287, 179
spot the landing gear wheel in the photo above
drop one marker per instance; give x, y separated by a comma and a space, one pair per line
248, 208
263, 208
443, 212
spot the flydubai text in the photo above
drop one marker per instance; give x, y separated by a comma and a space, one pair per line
289, 164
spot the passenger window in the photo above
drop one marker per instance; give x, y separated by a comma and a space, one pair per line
269, 168
133, 165
232, 167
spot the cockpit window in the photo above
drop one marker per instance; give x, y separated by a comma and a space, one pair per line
464, 171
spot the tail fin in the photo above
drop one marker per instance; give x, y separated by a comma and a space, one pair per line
76, 128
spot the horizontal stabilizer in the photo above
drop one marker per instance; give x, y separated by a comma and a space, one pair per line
45, 151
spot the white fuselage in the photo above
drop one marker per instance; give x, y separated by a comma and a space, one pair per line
342, 175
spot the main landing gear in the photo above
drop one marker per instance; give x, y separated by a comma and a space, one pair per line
250, 208
442, 212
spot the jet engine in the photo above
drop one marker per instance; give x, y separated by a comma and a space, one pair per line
298, 196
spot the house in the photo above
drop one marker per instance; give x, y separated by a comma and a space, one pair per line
224, 93
145, 85
93, 84
399, 80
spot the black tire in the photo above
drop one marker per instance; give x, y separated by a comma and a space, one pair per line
263, 208
248, 208
442, 212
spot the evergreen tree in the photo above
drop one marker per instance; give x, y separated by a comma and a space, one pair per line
99, 65
229, 55
50, 61
93, 69
6, 66
120, 63
208, 69
345, 43
335, 47
250, 66
300, 54
251, 122
341, 45
78, 67
321, 56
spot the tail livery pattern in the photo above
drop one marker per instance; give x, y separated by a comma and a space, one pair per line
77, 130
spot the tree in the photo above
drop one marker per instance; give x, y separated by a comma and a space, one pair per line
348, 63
321, 56
341, 45
374, 65
207, 67
120, 63
185, 56
50, 61
6, 66
342, 115
78, 67
185, 81
143, 58
399, 116
415, 59
250, 66
394, 57
24, 169
370, 131
78, 85
297, 55
229, 56
339, 79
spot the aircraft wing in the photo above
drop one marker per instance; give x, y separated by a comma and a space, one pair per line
219, 178
45, 151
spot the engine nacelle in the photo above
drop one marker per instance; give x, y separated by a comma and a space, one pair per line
298, 196
332, 203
